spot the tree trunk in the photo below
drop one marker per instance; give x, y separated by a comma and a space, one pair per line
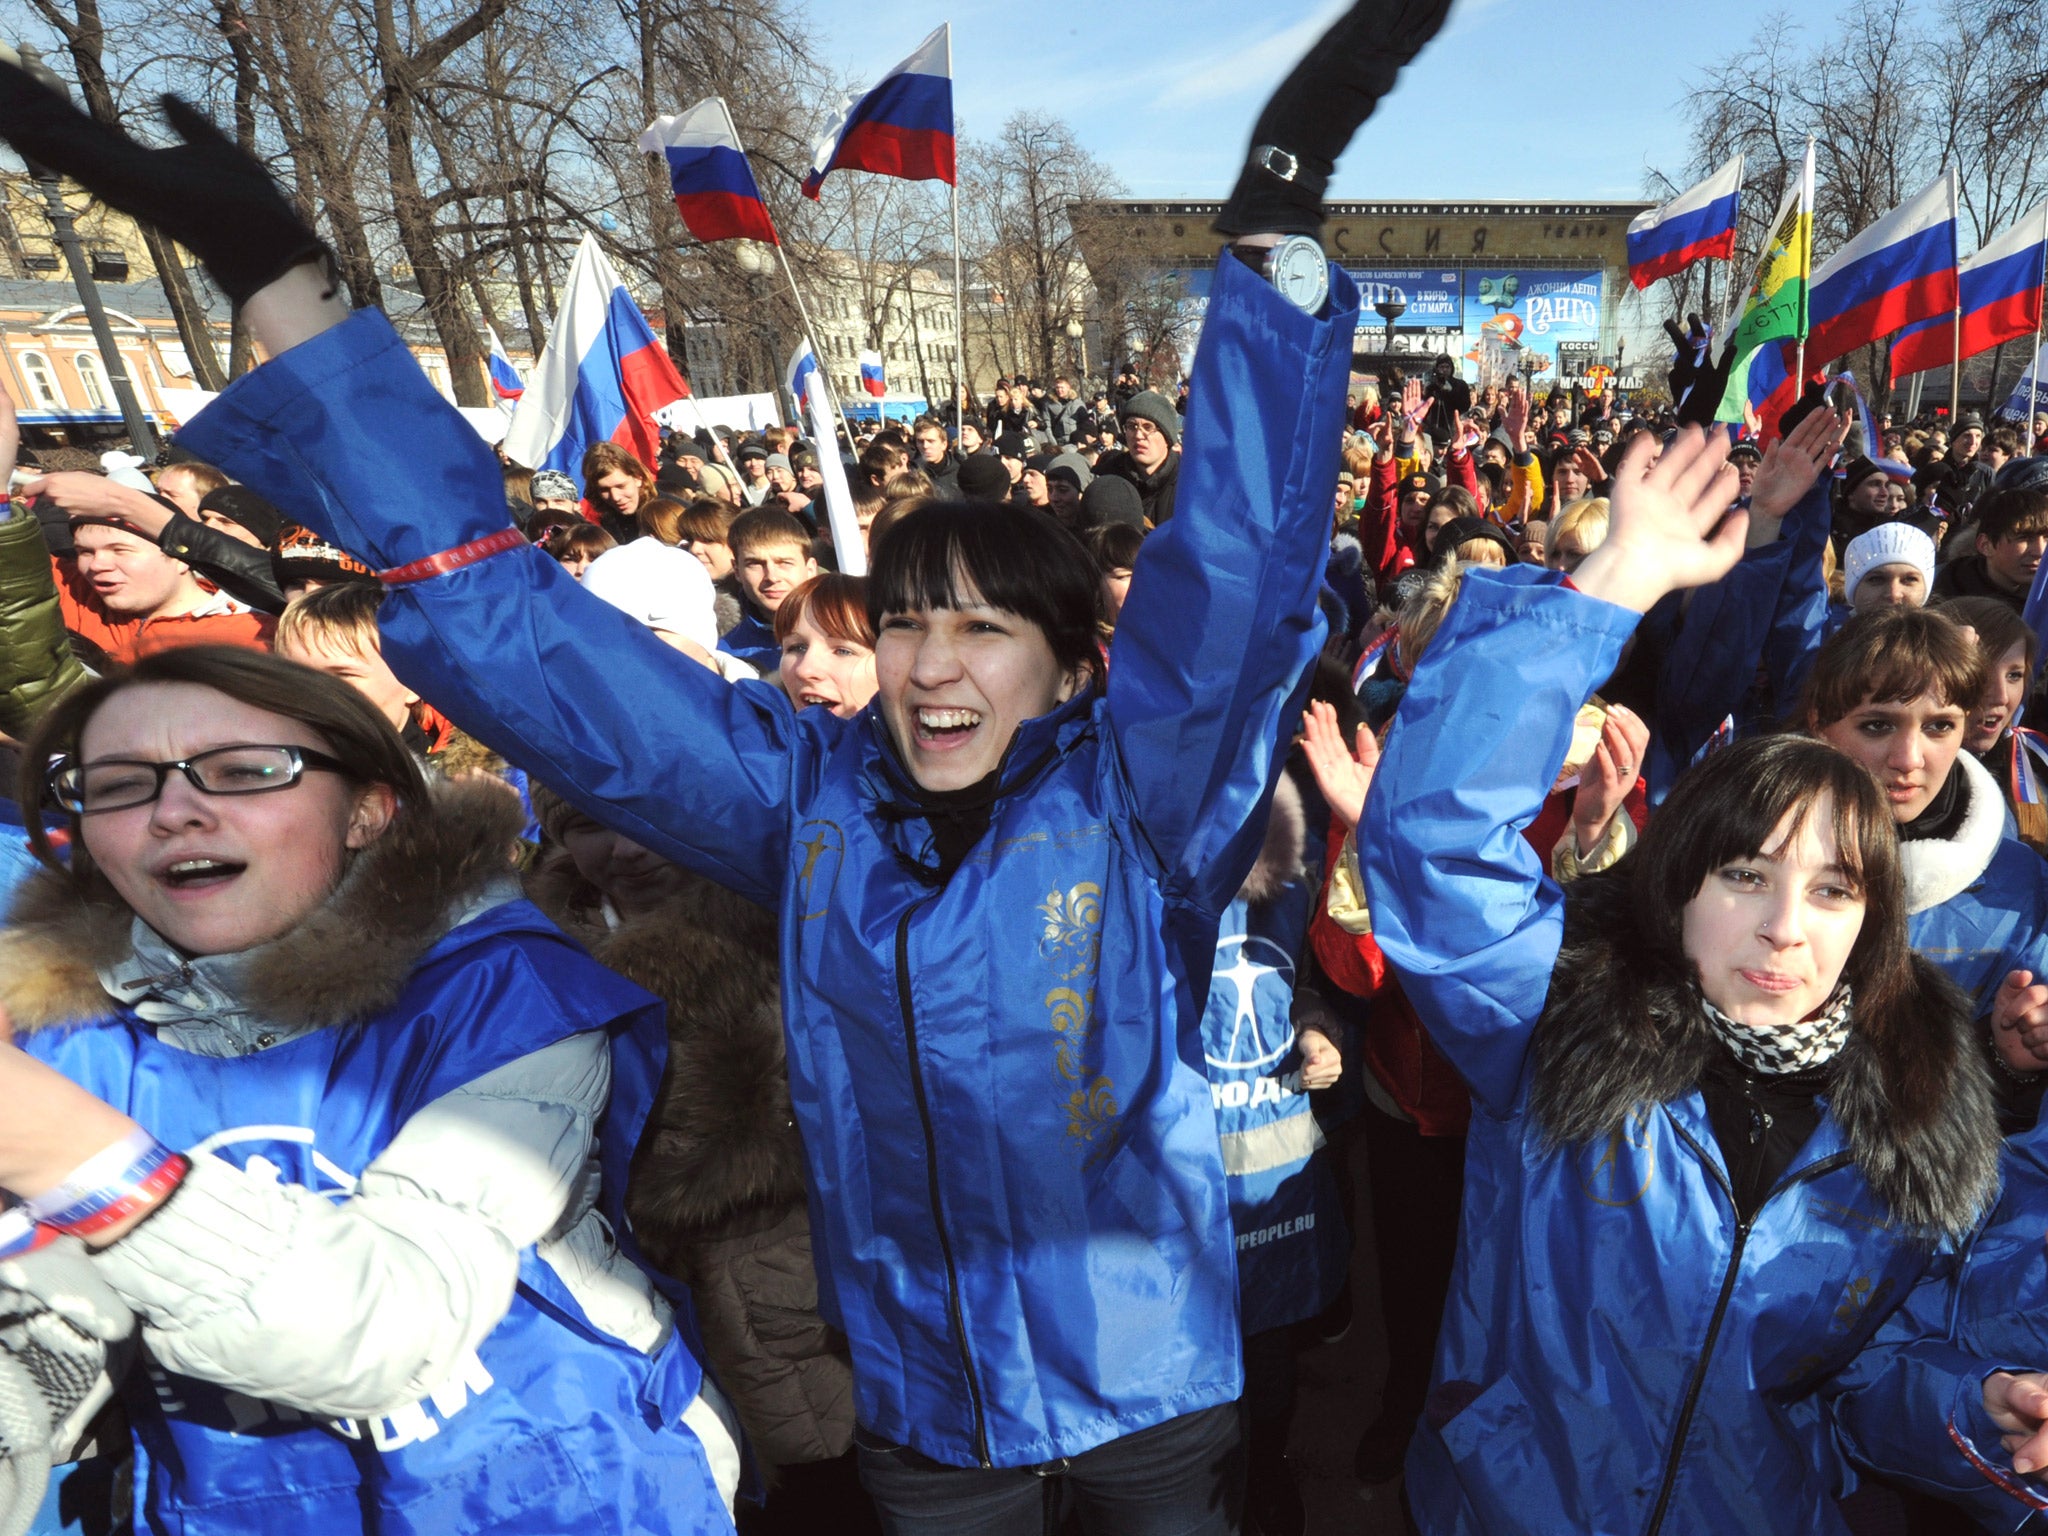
85, 39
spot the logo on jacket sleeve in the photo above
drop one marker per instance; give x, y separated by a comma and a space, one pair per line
1248, 968
819, 850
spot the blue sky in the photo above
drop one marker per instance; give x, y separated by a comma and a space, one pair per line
1515, 98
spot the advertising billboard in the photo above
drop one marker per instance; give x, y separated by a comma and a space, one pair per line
1518, 317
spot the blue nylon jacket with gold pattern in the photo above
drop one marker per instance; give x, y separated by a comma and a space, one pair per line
1017, 1200
1620, 1353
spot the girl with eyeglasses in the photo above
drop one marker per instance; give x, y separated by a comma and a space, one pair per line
343, 1125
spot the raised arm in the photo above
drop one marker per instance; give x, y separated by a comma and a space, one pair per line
341, 428
1221, 624
345, 431
1461, 905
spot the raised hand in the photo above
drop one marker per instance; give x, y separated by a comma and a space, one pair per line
2018, 1405
1608, 776
1590, 465
1342, 776
207, 193
1673, 523
1793, 463
1413, 406
1515, 417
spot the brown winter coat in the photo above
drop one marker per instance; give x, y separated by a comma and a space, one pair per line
717, 1193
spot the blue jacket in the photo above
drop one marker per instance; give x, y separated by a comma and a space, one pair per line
1619, 1352
1913, 1404
1018, 1203
552, 1425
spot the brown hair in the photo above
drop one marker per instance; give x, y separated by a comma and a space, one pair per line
906, 483
835, 604
1891, 656
765, 527
661, 519
600, 459
706, 520
2013, 513
519, 482
1997, 627
585, 539
348, 725
342, 616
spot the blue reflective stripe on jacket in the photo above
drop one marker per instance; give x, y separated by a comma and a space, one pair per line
1017, 1196
1590, 1278
550, 1425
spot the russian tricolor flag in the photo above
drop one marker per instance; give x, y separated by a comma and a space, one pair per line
2000, 293
1697, 224
600, 379
902, 127
714, 186
505, 380
798, 377
1899, 270
871, 378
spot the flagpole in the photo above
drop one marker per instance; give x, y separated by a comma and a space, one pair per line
803, 313
959, 308
1955, 367
1806, 265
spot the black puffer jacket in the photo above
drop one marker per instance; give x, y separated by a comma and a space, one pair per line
717, 1195
37, 667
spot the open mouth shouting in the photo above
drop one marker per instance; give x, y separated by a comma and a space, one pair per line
198, 875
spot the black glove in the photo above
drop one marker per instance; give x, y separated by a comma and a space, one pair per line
1316, 111
207, 193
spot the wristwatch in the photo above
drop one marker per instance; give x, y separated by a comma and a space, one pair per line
1299, 271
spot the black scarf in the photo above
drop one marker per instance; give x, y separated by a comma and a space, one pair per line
1944, 815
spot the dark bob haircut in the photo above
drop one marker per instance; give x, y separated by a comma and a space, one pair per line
950, 554
1730, 807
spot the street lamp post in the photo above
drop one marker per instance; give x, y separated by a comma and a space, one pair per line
1077, 344
1620, 353
140, 435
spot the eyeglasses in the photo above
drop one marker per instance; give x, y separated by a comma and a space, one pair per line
119, 784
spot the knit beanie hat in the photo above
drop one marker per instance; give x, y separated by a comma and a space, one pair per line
983, 478
1154, 407
1112, 499
663, 587
553, 485
239, 504
1886, 544
1855, 472
1070, 466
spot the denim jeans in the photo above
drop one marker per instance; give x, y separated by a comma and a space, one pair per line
1181, 1478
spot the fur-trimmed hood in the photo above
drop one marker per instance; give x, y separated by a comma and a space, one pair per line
347, 961
1915, 1107
1938, 868
722, 1146
1280, 855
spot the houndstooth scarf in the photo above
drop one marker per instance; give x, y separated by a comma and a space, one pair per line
1774, 1049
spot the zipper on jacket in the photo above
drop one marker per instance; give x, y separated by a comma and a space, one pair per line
1699, 1373
931, 1161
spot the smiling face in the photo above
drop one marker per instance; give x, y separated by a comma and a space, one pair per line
957, 682
828, 670
1770, 934
216, 874
2005, 690
1909, 747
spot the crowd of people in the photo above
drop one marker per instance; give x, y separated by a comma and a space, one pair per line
539, 1001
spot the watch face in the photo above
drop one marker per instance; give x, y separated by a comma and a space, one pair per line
1299, 271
